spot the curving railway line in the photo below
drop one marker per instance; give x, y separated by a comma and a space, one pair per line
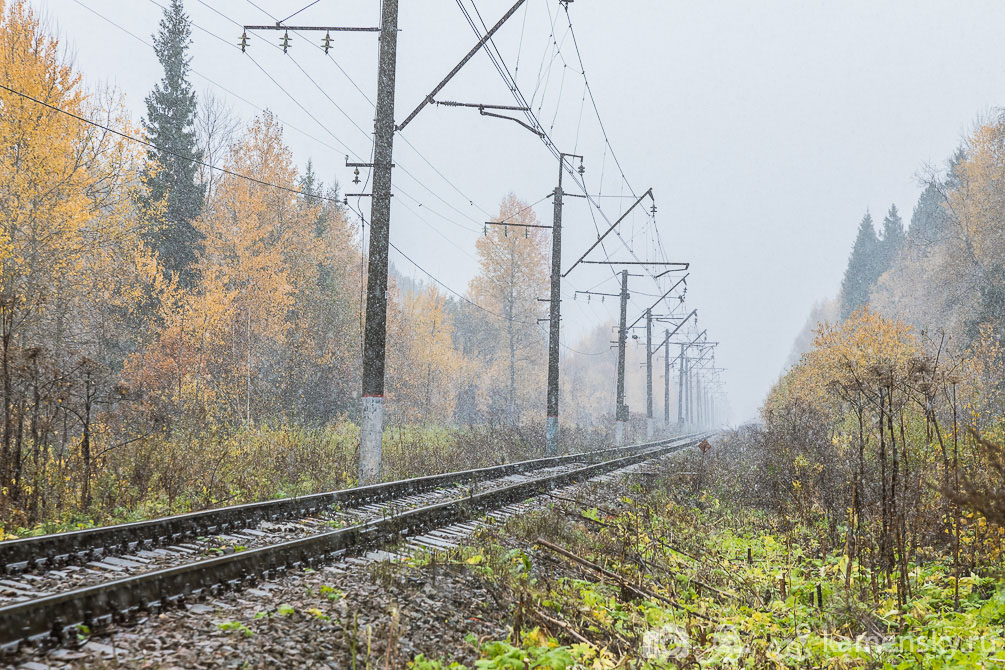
55, 583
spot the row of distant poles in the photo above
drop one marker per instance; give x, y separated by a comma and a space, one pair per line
375, 330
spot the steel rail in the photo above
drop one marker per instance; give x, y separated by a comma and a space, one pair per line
60, 548
57, 617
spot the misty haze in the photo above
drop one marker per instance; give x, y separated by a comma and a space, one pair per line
457, 334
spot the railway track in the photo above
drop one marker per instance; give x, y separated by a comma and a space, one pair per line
56, 583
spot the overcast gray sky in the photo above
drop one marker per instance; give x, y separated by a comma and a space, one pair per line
765, 129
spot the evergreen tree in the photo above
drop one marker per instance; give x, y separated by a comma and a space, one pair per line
863, 268
317, 194
170, 179
991, 307
893, 239
928, 221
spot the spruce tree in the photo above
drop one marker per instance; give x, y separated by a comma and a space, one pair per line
169, 177
928, 221
893, 239
863, 268
991, 307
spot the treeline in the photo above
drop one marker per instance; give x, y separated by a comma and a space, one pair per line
176, 336
886, 433
946, 272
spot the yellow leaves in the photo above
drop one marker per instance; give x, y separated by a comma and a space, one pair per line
257, 240
536, 637
513, 274
41, 179
261, 254
978, 199
424, 363
68, 237
862, 353
514, 263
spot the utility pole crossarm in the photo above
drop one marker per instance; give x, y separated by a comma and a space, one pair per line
692, 362
680, 266
648, 193
694, 312
700, 358
671, 333
517, 225
526, 125
479, 105
608, 295
327, 29
457, 68
483, 110
686, 346
682, 280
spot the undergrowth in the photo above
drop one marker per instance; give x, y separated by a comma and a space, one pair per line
697, 583
176, 474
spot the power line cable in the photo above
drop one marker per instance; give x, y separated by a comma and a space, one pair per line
151, 145
299, 10
466, 299
348, 117
498, 61
262, 10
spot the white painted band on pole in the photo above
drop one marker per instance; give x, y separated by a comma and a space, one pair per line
370, 436
551, 436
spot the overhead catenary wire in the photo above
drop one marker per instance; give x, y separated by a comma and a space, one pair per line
314, 118
211, 81
495, 56
510, 79
408, 142
464, 297
500, 68
608, 147
335, 62
600, 122
299, 10
151, 145
344, 146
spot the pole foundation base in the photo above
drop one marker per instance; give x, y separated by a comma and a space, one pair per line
371, 440
551, 436
619, 433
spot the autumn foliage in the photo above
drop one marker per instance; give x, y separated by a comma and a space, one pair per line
128, 384
873, 438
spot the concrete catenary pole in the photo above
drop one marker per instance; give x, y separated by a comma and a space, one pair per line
621, 409
681, 372
555, 313
375, 332
666, 380
649, 374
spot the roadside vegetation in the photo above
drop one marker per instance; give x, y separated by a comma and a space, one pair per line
664, 579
